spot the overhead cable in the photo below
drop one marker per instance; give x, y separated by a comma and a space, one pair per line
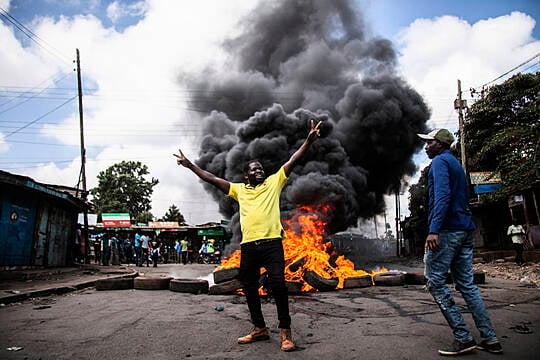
41, 117
26, 31
509, 71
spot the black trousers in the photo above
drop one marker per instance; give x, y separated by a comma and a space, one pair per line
184, 257
519, 254
267, 253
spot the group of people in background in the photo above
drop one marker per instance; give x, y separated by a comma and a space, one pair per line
116, 249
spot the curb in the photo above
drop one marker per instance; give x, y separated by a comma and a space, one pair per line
58, 290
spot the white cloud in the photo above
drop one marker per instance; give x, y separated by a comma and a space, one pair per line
117, 10
4, 4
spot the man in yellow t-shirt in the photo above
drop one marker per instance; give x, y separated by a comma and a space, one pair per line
261, 236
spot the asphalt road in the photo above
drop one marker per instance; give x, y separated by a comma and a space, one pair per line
371, 323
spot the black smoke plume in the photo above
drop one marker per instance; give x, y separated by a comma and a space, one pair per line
301, 60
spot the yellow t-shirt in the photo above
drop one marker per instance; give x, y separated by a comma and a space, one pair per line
259, 207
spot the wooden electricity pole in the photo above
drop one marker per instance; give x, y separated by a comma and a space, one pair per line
459, 105
83, 164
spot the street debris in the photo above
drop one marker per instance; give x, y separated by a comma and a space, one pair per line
522, 328
14, 348
527, 275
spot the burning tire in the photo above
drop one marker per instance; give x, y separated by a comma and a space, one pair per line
293, 287
223, 275
297, 265
151, 283
227, 287
320, 283
114, 284
357, 282
390, 278
192, 286
415, 278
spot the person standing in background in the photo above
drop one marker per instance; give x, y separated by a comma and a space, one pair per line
517, 233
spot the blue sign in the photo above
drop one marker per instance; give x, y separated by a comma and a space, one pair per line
485, 188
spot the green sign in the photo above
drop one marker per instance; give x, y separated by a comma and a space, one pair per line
210, 232
224, 222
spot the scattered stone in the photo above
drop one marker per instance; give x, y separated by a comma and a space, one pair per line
511, 271
14, 348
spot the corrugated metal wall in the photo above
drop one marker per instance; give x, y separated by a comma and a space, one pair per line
61, 236
35, 229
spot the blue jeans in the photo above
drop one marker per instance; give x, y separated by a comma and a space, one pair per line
455, 254
267, 253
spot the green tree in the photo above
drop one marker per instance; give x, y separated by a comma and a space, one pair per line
174, 214
123, 188
145, 217
502, 133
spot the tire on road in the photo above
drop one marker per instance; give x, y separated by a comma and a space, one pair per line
357, 282
390, 278
151, 283
192, 286
415, 278
227, 287
320, 283
223, 275
114, 284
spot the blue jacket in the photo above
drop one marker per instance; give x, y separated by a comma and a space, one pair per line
448, 195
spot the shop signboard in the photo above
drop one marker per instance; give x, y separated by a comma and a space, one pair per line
163, 224
485, 188
115, 220
485, 177
215, 231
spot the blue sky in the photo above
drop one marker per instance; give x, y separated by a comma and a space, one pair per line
132, 51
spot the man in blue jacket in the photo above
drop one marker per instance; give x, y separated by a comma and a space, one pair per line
449, 246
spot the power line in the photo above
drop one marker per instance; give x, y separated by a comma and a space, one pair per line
26, 31
509, 71
27, 98
41, 117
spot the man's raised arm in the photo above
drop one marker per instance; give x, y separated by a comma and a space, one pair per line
210, 178
312, 136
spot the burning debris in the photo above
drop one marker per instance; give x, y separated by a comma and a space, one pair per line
309, 260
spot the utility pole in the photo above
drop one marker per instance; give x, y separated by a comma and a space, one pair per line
459, 105
83, 164
398, 212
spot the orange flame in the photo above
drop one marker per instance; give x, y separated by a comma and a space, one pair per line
305, 250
